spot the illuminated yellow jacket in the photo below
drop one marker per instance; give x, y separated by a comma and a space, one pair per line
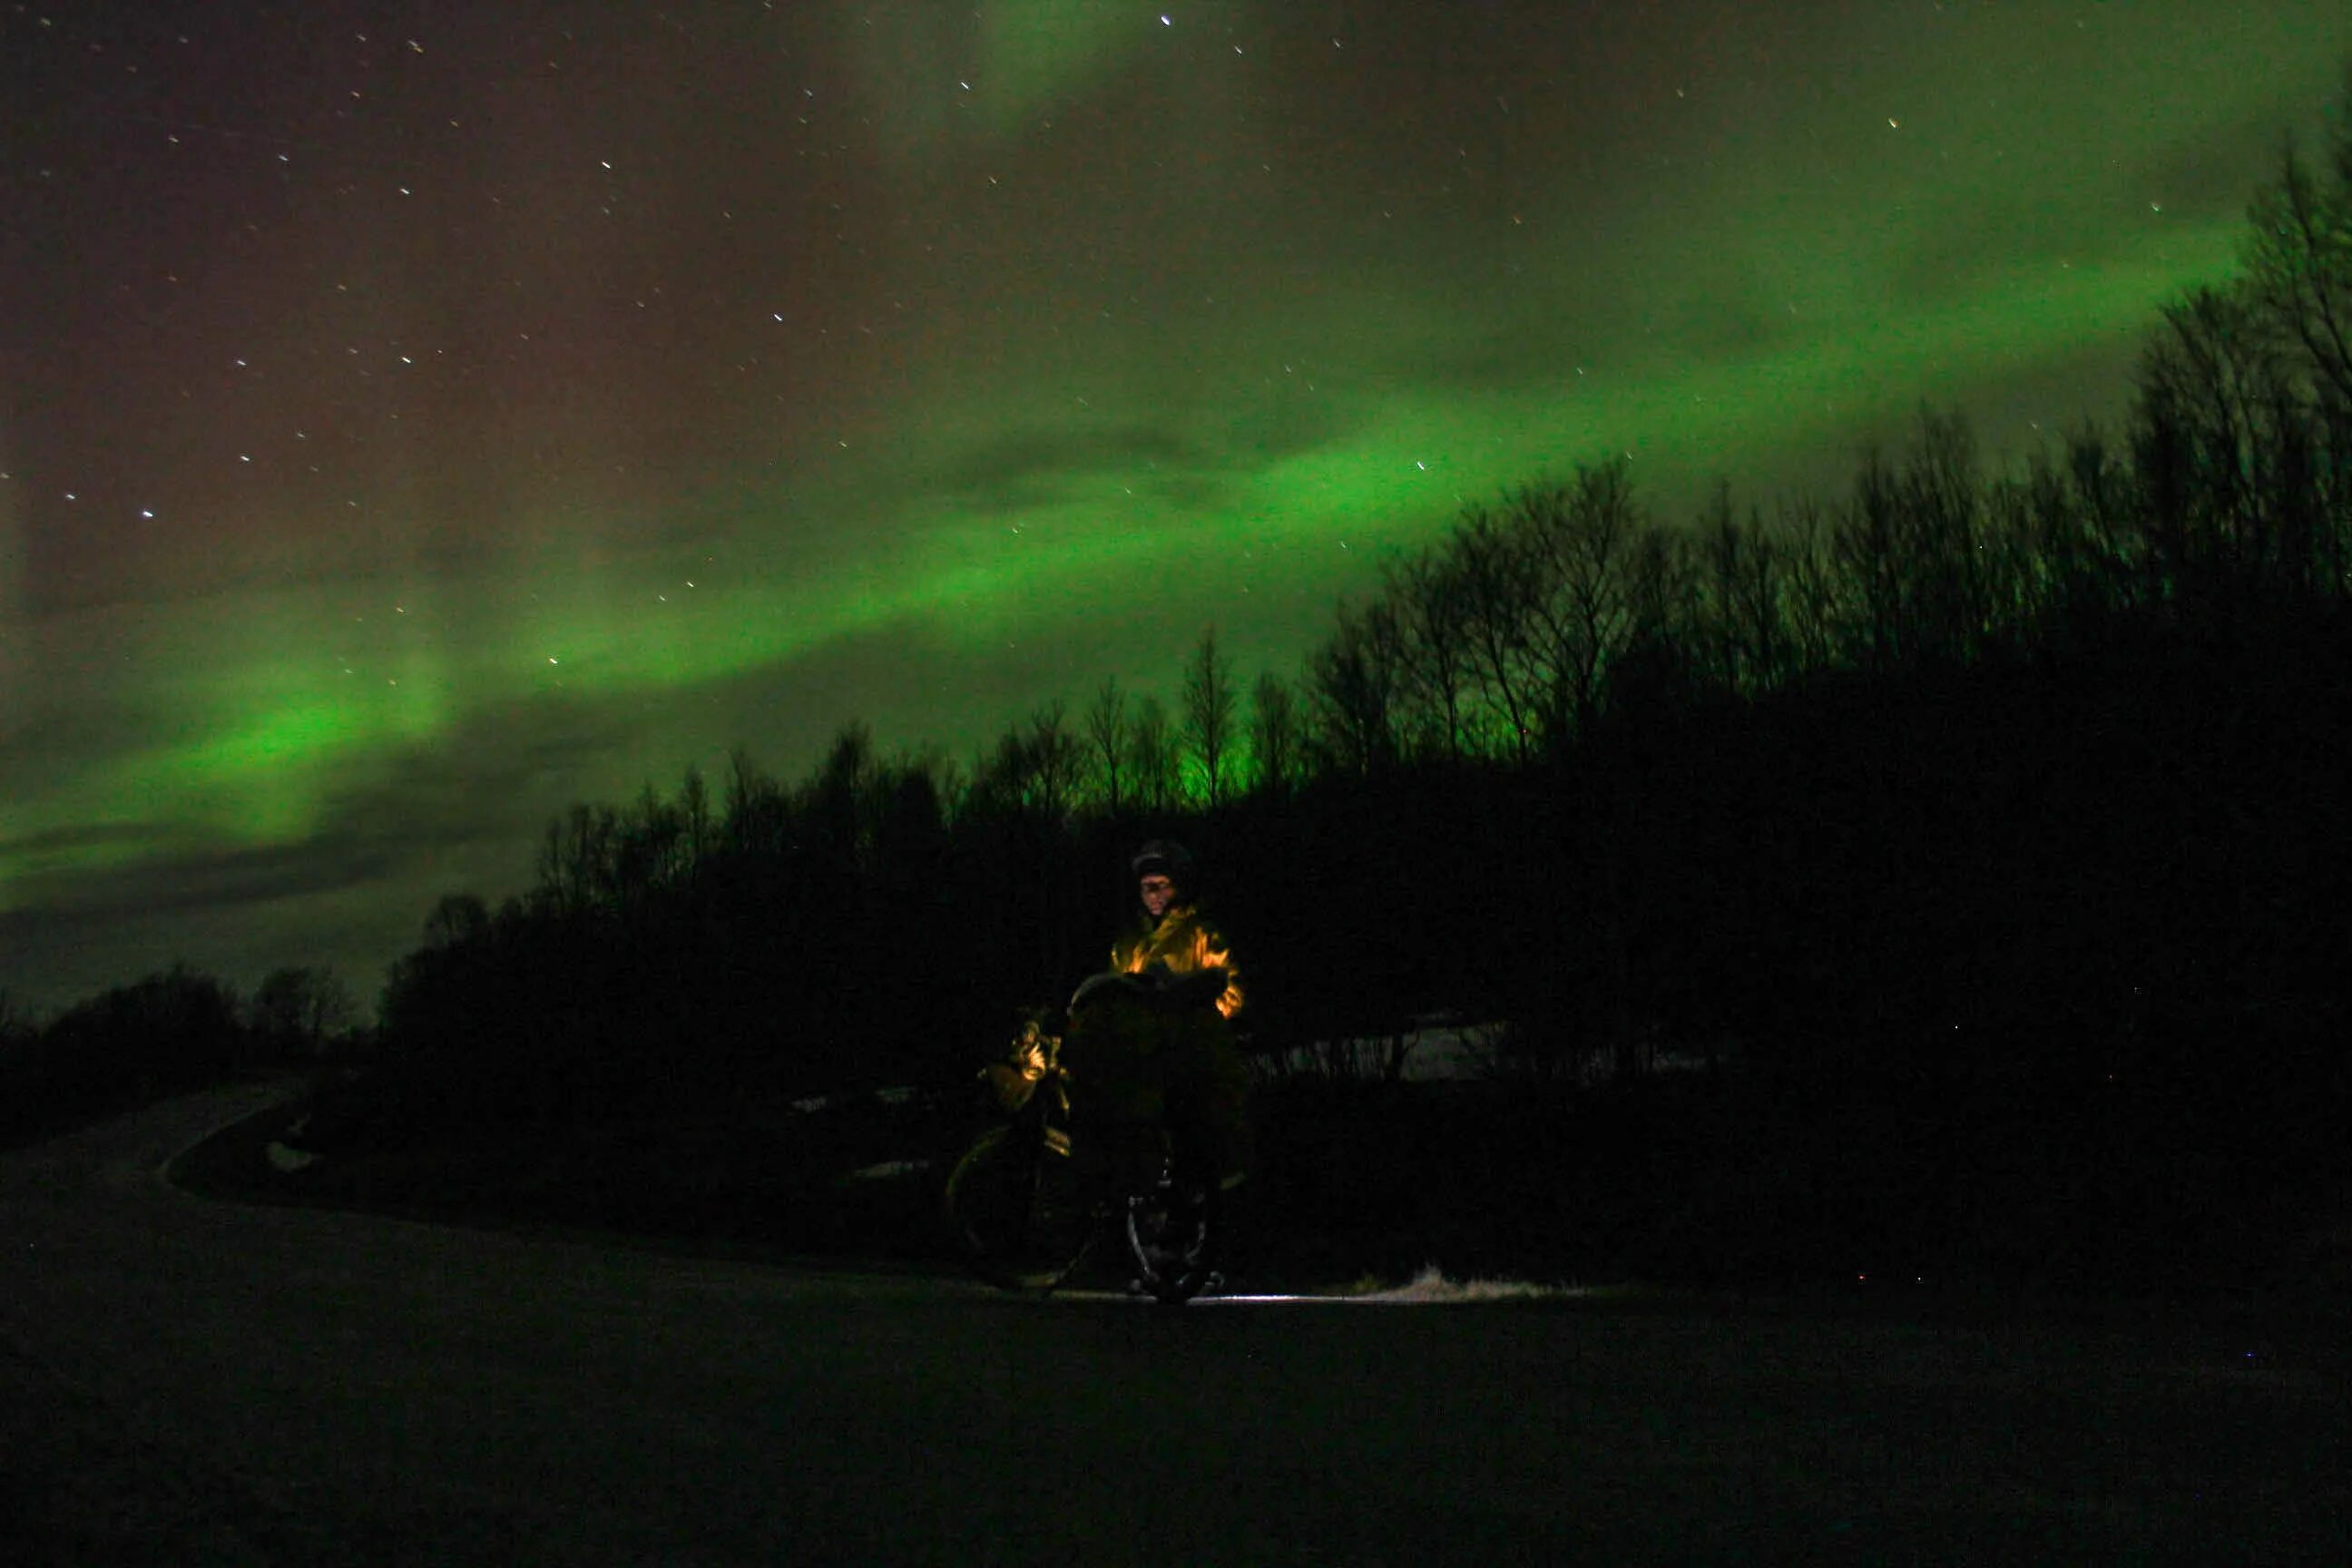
1185, 942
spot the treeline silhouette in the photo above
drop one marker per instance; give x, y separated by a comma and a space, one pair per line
169, 1033
1982, 829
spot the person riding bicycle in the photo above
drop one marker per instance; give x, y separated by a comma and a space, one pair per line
1172, 940
1153, 1034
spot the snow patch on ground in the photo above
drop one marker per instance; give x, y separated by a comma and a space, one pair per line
886, 1170
1431, 1288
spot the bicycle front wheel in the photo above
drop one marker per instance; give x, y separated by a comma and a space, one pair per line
1173, 1236
1014, 1211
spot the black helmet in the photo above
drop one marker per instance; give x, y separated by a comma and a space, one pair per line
1164, 858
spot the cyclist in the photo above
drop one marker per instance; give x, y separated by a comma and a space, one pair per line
1156, 1028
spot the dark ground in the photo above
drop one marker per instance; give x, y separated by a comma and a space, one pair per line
195, 1381
1716, 1180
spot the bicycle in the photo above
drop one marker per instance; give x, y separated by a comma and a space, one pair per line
1027, 1204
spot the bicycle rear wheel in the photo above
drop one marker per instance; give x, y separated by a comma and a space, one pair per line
1014, 1212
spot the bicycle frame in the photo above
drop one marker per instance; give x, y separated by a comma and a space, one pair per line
1026, 1204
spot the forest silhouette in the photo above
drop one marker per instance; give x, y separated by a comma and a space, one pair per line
1980, 831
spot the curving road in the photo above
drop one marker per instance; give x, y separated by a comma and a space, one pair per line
190, 1382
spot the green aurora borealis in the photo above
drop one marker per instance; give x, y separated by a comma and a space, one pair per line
417, 423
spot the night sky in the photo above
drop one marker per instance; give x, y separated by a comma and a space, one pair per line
420, 416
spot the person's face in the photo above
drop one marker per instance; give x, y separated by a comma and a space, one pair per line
1158, 893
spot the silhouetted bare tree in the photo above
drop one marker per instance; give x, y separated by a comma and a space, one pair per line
456, 918
1744, 626
2299, 257
296, 1010
2214, 426
1812, 594
1209, 718
1491, 566
1107, 735
698, 830
1582, 544
575, 858
1157, 763
1275, 742
1865, 556
832, 808
1354, 686
756, 807
1431, 614
1057, 761
1941, 511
